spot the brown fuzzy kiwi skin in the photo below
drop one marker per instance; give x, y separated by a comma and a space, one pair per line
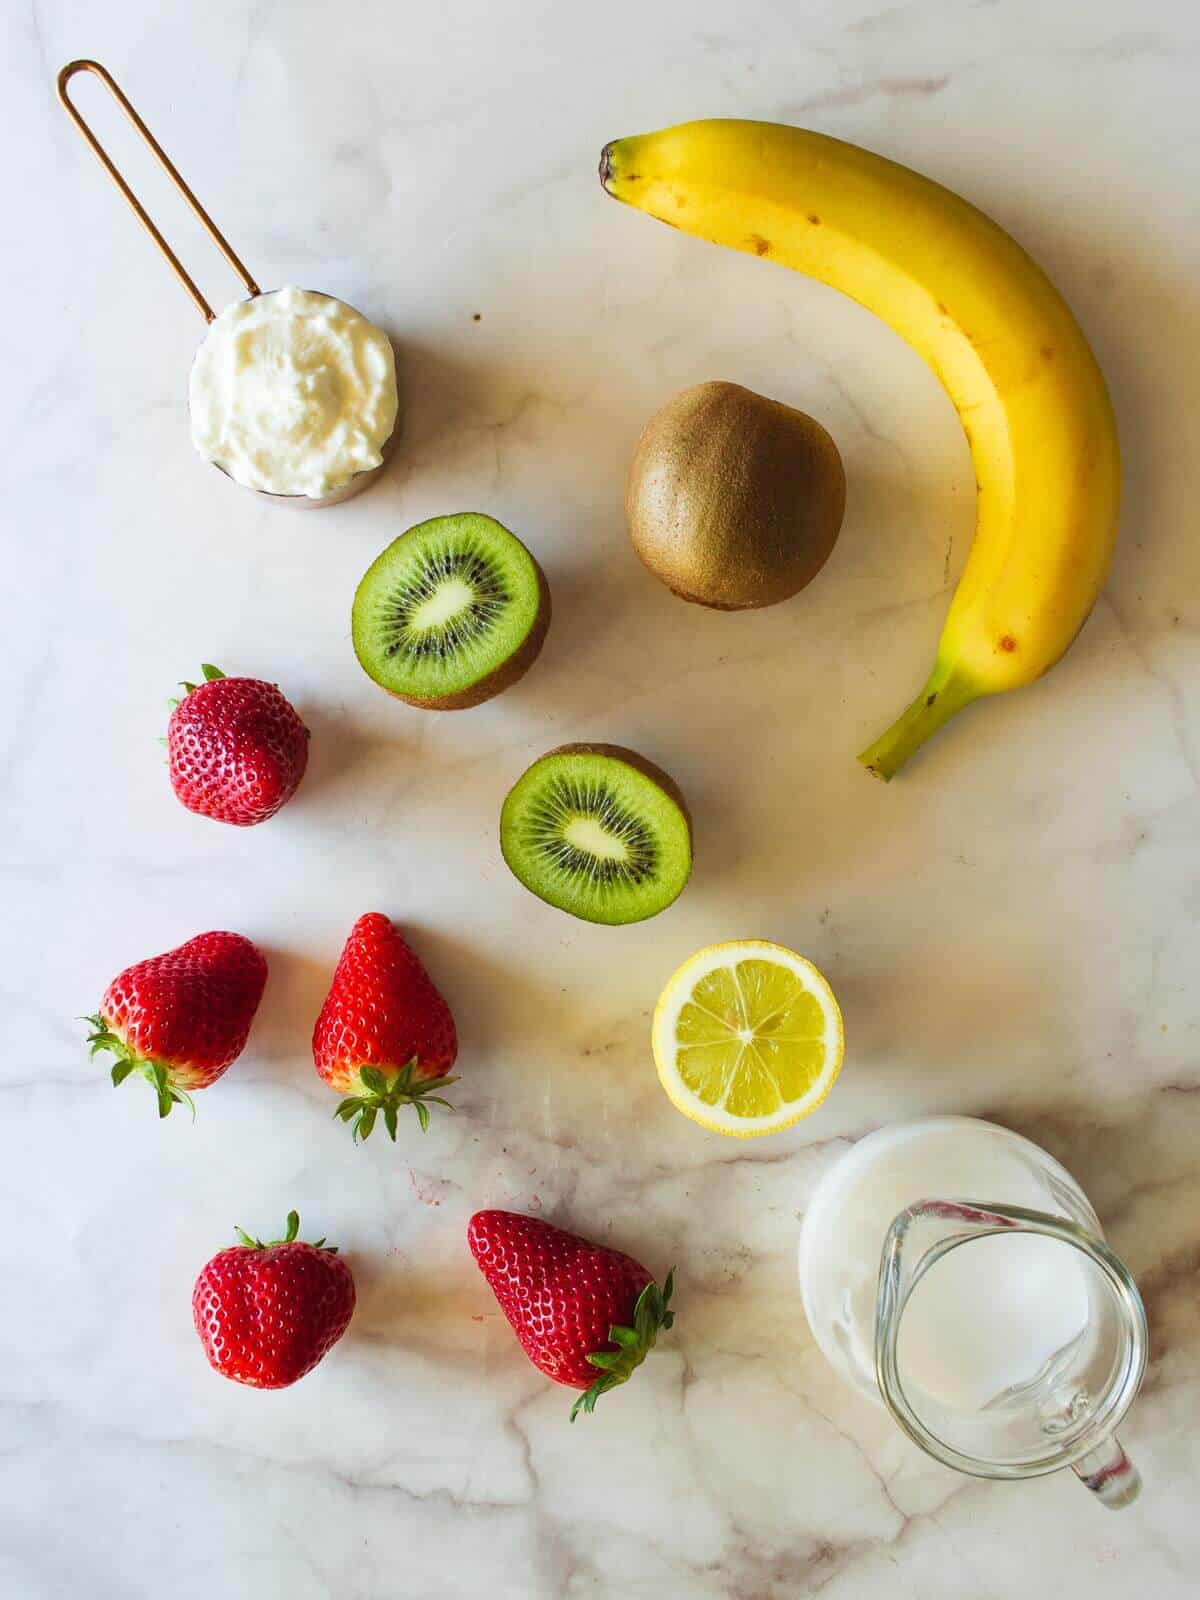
507, 673
733, 500
648, 769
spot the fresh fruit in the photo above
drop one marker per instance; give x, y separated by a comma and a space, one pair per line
385, 1037
598, 831
236, 749
267, 1313
747, 1038
734, 500
182, 1018
586, 1316
1030, 396
451, 613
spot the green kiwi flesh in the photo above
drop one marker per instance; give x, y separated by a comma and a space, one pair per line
451, 613
598, 831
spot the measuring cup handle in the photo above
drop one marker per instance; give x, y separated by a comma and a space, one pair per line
168, 166
1108, 1472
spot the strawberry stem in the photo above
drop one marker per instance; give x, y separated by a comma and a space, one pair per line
293, 1229
651, 1316
211, 674
156, 1073
379, 1094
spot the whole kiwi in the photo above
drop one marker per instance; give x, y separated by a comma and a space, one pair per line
734, 500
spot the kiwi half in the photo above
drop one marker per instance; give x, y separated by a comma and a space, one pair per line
598, 831
451, 613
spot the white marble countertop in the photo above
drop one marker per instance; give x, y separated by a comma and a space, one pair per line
1011, 927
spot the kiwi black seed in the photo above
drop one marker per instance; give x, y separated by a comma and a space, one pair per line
598, 831
451, 613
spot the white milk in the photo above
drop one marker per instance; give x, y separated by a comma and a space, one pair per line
990, 1315
989, 1318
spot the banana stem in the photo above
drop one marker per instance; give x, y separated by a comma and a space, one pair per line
937, 702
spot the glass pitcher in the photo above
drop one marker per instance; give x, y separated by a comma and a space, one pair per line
1001, 1332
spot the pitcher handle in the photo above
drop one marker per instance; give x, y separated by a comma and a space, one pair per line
1108, 1472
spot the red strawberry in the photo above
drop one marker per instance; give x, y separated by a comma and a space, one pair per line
267, 1313
385, 1037
236, 749
181, 1018
575, 1306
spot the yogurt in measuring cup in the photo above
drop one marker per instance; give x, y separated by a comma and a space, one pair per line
293, 393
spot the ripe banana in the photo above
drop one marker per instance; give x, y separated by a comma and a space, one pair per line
1028, 391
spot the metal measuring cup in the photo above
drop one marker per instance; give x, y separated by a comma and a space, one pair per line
361, 479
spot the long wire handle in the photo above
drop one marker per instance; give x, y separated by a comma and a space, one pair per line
143, 216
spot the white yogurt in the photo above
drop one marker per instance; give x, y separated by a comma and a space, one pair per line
293, 392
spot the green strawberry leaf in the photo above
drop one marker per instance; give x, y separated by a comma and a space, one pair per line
606, 1360
211, 673
156, 1073
386, 1089
289, 1237
158, 1077
651, 1316
587, 1401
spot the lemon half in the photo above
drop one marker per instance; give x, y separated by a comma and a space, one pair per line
747, 1038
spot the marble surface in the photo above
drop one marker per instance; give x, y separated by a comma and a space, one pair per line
1011, 927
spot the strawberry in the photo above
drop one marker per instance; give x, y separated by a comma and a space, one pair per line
576, 1307
182, 1018
267, 1313
385, 1037
236, 749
